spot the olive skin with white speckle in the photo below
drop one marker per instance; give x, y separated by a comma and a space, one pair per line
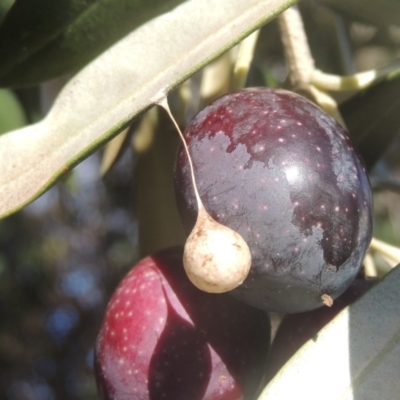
277, 169
164, 339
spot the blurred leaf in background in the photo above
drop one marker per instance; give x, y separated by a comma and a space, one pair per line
373, 118
42, 39
12, 114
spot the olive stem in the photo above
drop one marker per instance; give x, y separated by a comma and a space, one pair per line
297, 50
112, 151
327, 103
243, 61
144, 135
216, 78
301, 62
358, 81
164, 103
386, 250
370, 267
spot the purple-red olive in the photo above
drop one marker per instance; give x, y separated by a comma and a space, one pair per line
164, 339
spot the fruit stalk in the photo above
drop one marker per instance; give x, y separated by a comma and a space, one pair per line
216, 258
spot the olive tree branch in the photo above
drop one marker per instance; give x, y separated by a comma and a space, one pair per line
301, 65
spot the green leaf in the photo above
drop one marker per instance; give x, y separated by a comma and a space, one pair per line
373, 118
125, 80
4, 7
43, 39
31, 25
382, 12
12, 115
355, 357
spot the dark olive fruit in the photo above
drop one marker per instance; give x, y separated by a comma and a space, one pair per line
297, 329
164, 339
277, 169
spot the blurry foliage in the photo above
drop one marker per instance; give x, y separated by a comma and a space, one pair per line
12, 115
61, 257
37, 46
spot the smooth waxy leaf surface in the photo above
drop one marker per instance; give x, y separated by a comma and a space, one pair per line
355, 357
128, 78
